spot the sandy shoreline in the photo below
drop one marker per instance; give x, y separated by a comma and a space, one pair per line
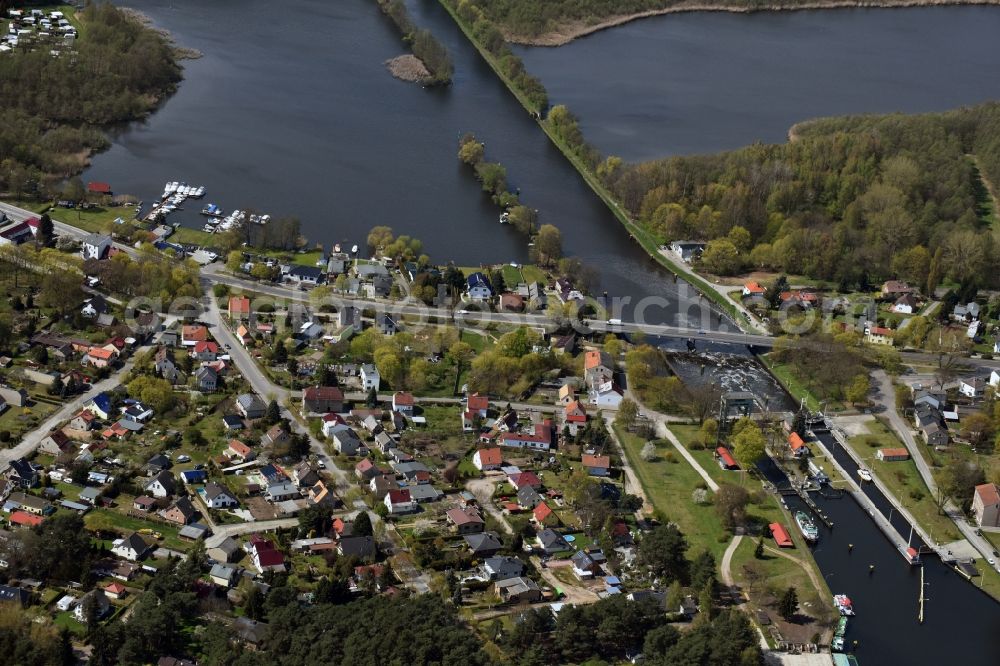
575, 30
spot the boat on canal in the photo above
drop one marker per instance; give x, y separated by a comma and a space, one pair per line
838, 635
843, 604
864, 474
212, 210
807, 526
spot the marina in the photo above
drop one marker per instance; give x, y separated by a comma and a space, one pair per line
173, 198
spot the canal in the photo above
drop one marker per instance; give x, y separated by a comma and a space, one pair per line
961, 622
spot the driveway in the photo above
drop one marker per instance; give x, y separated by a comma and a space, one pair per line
483, 489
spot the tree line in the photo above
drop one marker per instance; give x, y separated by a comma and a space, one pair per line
849, 199
491, 38
424, 45
52, 109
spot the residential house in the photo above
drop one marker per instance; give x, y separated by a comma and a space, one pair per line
192, 334
598, 368
161, 485
725, 458
566, 292
95, 246
501, 567
905, 304
83, 421
575, 417
305, 275
322, 400
366, 470
466, 520
385, 324
157, 464
543, 515
522, 479
478, 287
879, 335
510, 302
193, 476
56, 443
895, 289
223, 575
95, 599
14, 397
347, 443
483, 544
606, 395
311, 330
132, 547
90, 496
986, 505
239, 307
24, 519
551, 541
282, 491
144, 503
362, 547
22, 473
181, 512
584, 566
402, 403
478, 404
29, 503
304, 475
333, 423
687, 250
136, 412
487, 459
205, 350
539, 439
264, 555
934, 434
597, 465
753, 289
218, 497
518, 590
206, 379
232, 422
381, 485
250, 406
17, 595
370, 377
276, 436
399, 501
528, 497
99, 357
422, 492
967, 313
972, 387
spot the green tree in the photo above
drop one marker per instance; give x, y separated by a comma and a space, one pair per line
662, 552
858, 390
628, 412
362, 524
721, 257
470, 150
749, 445
548, 244
788, 604
273, 413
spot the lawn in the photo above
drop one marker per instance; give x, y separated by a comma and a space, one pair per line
104, 519
904, 482
669, 482
791, 383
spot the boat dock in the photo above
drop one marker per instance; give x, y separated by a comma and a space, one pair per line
902, 544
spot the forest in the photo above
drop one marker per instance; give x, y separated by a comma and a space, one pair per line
848, 199
52, 110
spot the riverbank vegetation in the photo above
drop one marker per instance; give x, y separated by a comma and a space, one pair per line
425, 46
491, 39
556, 22
52, 110
851, 200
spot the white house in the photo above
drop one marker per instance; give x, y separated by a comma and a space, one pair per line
487, 459
218, 497
161, 485
972, 387
132, 547
606, 395
478, 287
370, 377
399, 501
95, 246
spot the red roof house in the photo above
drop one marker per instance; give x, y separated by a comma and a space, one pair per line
725, 458
25, 519
98, 188
780, 535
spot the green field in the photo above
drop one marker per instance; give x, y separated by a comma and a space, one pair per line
904, 482
104, 519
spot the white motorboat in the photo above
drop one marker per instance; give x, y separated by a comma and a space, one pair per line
864, 474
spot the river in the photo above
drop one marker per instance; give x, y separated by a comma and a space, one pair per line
291, 111
705, 82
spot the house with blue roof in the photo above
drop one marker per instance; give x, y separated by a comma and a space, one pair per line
478, 287
193, 476
99, 406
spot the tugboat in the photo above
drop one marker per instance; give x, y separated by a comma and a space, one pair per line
807, 526
843, 604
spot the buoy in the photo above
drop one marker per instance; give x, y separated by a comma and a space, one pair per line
850, 546
871, 569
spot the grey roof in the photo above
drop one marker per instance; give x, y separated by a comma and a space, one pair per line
250, 401
14, 594
360, 546
483, 541
424, 492
136, 543
528, 497
193, 531
550, 539
223, 571
503, 566
213, 490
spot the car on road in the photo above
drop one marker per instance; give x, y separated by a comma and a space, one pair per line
991, 561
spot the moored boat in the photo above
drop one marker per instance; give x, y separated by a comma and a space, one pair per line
807, 526
843, 604
865, 474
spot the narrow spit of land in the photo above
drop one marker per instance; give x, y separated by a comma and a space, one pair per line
569, 30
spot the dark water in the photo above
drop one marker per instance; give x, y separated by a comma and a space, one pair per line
693, 83
731, 368
292, 112
961, 623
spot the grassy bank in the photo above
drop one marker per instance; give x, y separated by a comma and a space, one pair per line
644, 238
